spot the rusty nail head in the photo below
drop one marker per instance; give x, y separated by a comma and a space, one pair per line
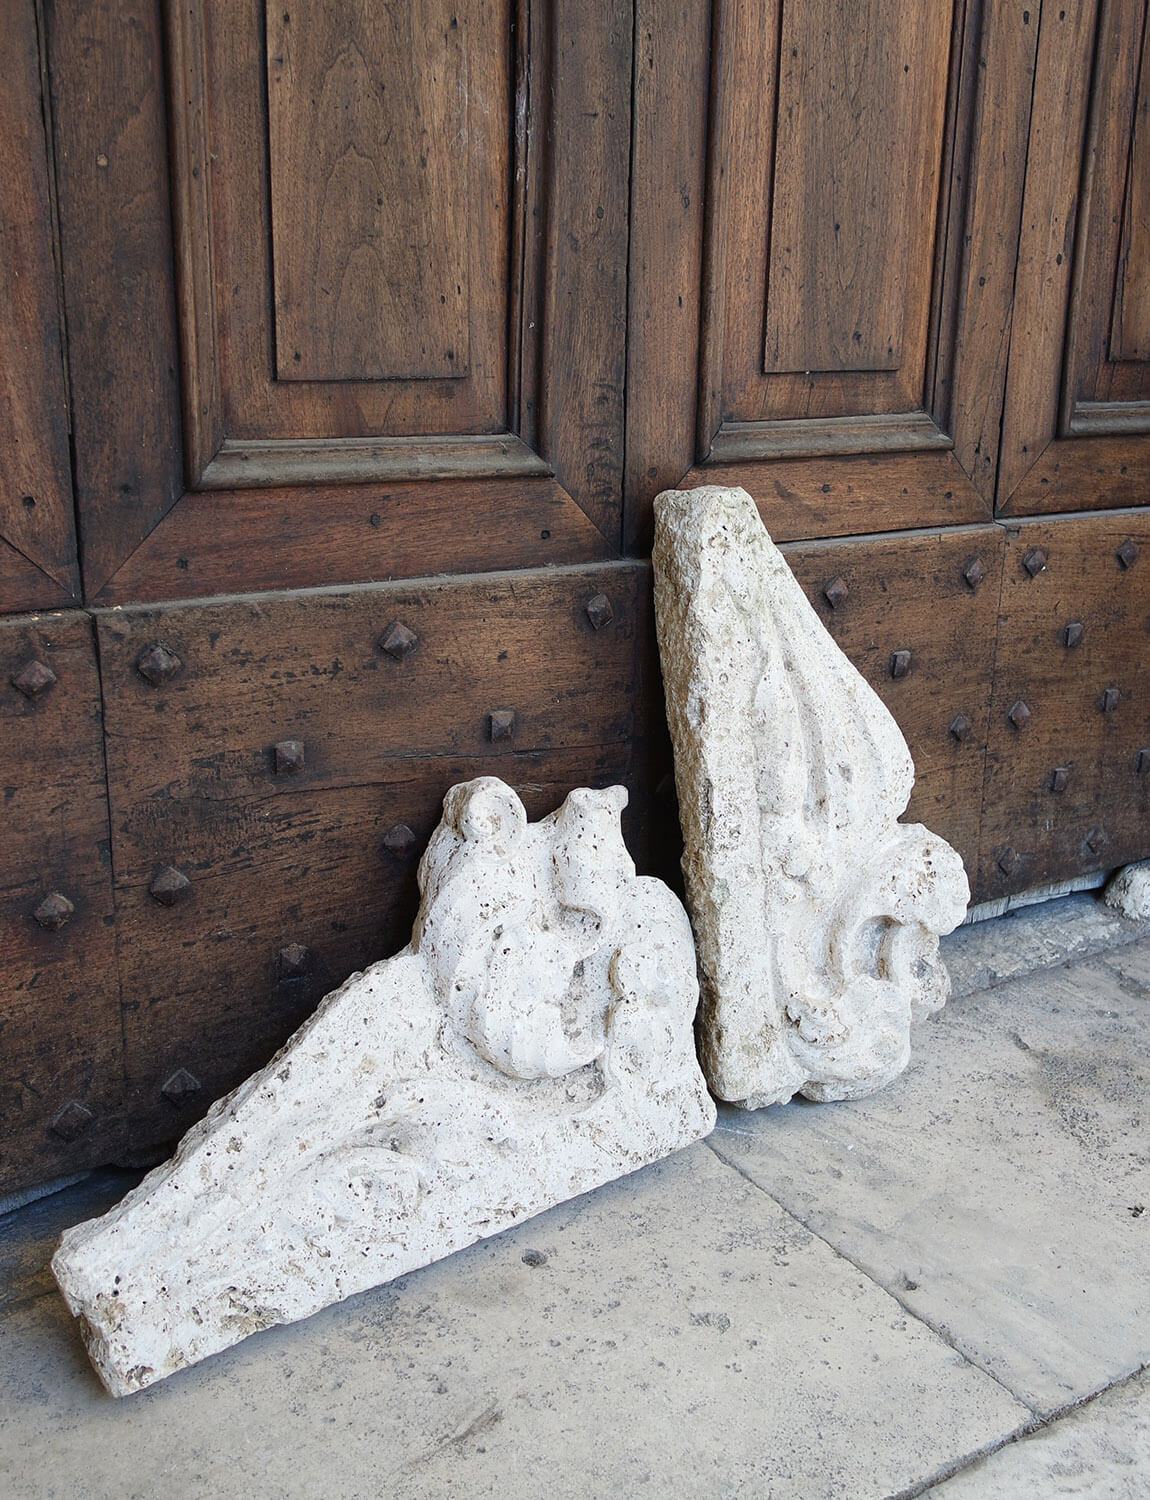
837, 591
1073, 633
54, 911
1110, 699
398, 641
598, 610
1096, 840
1127, 553
960, 727
1142, 761
293, 962
33, 679
399, 840
158, 664
501, 724
1034, 561
1008, 859
1059, 778
72, 1121
170, 886
289, 757
1019, 713
973, 571
899, 663
180, 1086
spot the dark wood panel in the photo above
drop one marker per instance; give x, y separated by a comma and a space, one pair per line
368, 129
60, 1041
1130, 334
1105, 473
1067, 790
934, 595
322, 669
857, 147
35, 480
115, 229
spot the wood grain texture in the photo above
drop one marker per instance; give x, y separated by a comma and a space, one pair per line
1084, 581
1093, 376
35, 478
368, 131
907, 592
106, 72
1045, 252
859, 122
825, 497
1071, 474
60, 1004
23, 586
1130, 334
363, 533
999, 63
672, 51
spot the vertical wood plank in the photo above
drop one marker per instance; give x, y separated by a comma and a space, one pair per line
35, 480
856, 157
369, 140
1130, 338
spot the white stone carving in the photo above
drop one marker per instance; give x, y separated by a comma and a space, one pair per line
533, 1041
816, 914
1128, 892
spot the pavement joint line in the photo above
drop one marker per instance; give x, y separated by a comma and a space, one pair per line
940, 1333
1027, 1430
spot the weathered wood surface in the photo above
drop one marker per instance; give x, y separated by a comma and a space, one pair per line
1088, 704
60, 1047
35, 479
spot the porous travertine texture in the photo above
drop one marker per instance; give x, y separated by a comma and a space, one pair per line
533, 1041
1129, 891
816, 914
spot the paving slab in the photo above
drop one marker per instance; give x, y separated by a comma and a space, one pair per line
1001, 1188
674, 1332
1098, 1452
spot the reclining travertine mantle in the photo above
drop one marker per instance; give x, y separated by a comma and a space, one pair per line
533, 1041
816, 914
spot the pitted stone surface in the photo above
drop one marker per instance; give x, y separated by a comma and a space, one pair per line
816, 913
533, 1041
1129, 891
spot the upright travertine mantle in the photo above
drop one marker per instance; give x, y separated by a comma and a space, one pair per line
816, 914
533, 1041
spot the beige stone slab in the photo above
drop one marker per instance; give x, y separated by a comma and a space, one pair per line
1001, 1189
1099, 1452
673, 1333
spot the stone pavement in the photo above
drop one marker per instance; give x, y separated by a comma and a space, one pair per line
942, 1289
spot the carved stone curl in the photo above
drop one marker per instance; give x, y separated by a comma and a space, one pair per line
533, 1041
816, 913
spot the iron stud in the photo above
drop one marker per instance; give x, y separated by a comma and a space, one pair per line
1109, 700
973, 571
180, 1086
1019, 713
960, 727
398, 641
399, 841
836, 592
293, 962
501, 724
899, 663
1142, 761
1059, 778
1008, 859
598, 610
1073, 633
170, 886
54, 911
158, 664
72, 1121
289, 757
1034, 561
33, 679
1127, 553
1096, 840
